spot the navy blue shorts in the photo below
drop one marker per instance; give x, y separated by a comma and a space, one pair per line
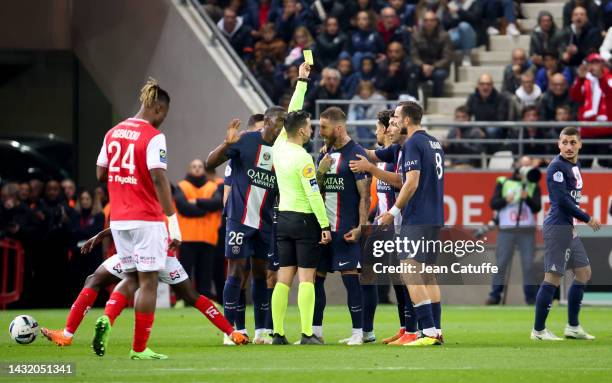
562, 250
340, 255
273, 262
243, 241
424, 253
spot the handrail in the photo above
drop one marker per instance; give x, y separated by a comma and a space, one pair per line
246, 75
519, 141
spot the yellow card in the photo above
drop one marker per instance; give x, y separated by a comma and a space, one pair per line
308, 57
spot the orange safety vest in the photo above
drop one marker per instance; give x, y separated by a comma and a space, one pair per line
199, 229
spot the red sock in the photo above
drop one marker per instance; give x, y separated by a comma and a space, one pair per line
142, 330
115, 304
209, 310
79, 308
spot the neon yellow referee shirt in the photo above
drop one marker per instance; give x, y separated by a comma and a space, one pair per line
295, 171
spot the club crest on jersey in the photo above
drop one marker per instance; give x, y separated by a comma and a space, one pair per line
235, 250
162, 156
308, 171
264, 161
558, 176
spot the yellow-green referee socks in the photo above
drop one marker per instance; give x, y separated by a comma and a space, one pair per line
280, 297
306, 303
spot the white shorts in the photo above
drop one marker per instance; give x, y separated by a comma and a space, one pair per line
142, 249
173, 273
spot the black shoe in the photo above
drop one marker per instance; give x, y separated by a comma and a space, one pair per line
491, 301
279, 339
313, 339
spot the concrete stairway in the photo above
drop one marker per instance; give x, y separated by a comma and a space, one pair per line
492, 61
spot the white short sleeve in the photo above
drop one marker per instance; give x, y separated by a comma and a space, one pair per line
103, 156
156, 153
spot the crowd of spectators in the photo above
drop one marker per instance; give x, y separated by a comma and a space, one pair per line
375, 50
52, 221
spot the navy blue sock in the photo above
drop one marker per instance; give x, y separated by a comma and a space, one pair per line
400, 297
425, 315
320, 301
410, 314
354, 298
269, 322
261, 305
241, 311
231, 298
436, 311
370, 301
574, 300
544, 300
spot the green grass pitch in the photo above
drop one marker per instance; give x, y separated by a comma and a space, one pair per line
482, 345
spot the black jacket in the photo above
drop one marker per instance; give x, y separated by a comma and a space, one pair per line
329, 47
549, 103
587, 42
494, 108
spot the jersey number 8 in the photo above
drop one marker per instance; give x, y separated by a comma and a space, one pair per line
439, 166
127, 161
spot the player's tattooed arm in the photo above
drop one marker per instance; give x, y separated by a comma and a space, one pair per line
363, 187
218, 155
101, 173
324, 166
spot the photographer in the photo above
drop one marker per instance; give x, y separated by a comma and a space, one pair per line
517, 200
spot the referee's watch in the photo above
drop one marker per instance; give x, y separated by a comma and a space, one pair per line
328, 228
304, 79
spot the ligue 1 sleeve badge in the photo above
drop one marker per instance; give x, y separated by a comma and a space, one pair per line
308, 171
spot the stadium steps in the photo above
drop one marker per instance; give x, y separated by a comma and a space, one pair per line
491, 61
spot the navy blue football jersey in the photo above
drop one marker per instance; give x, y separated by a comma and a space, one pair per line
253, 181
564, 183
340, 188
391, 157
424, 153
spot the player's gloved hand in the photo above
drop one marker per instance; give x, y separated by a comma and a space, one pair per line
362, 165
174, 231
353, 235
325, 237
233, 134
594, 224
325, 164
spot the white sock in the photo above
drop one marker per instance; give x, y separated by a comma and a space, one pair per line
439, 331
368, 334
243, 332
317, 331
358, 332
260, 332
431, 331
269, 331
68, 334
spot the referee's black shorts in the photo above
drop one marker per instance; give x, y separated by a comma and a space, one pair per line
298, 236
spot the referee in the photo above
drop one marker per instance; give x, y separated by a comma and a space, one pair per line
302, 222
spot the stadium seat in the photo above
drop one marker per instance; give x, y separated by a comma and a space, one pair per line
501, 160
